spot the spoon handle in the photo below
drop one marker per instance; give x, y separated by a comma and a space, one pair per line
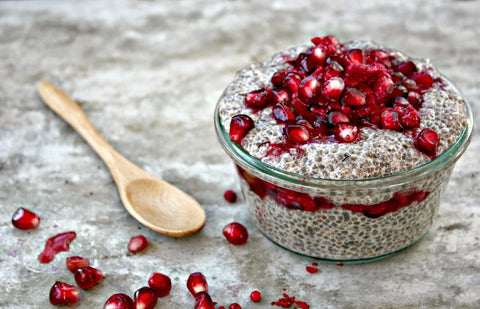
71, 112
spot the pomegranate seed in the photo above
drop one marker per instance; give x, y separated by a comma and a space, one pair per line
383, 88
410, 84
230, 196
292, 82
409, 117
346, 132
308, 89
137, 243
305, 62
255, 296
25, 219
204, 301
333, 88
407, 68
235, 233
282, 112
414, 98
423, 78
278, 77
298, 134
258, 99
119, 301
160, 283
427, 141
390, 120
353, 97
239, 127
55, 244
399, 91
234, 306
333, 69
311, 269
145, 298
197, 283
336, 116
62, 293
87, 277
355, 56
279, 95
76, 262
318, 55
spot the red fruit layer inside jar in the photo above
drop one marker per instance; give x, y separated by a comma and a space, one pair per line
330, 92
302, 201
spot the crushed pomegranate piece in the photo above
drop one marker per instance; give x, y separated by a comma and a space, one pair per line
311, 269
204, 301
87, 277
287, 302
235, 233
62, 293
119, 301
25, 219
137, 243
255, 296
55, 244
197, 283
230, 196
162, 284
145, 298
76, 262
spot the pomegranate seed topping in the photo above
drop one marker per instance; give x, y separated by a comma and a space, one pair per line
390, 120
87, 277
230, 196
414, 98
423, 78
407, 68
427, 141
235, 233
160, 283
298, 134
119, 301
25, 219
280, 95
76, 262
408, 116
383, 88
258, 99
282, 112
255, 296
292, 82
346, 132
353, 97
278, 77
336, 116
308, 89
234, 306
145, 298
334, 69
333, 88
239, 127
204, 301
355, 56
55, 244
137, 243
197, 283
62, 293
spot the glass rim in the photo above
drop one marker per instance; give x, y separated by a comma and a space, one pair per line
450, 155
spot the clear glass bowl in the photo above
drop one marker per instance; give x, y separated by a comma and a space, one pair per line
344, 220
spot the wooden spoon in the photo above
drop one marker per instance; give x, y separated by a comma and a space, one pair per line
155, 203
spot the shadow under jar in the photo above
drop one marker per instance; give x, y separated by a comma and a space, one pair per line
341, 218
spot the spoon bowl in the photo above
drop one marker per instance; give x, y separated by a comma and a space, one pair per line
155, 203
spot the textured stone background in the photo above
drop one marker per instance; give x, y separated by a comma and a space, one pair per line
148, 75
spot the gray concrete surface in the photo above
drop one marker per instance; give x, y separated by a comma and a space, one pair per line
148, 74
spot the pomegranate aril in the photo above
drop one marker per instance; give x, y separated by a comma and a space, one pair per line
137, 243
278, 77
62, 293
311, 269
353, 97
333, 69
399, 91
25, 219
204, 301
407, 68
282, 112
427, 141
297, 134
308, 89
230, 196
423, 78
336, 116
410, 118
292, 82
161, 283
235, 233
333, 88
415, 99
279, 95
145, 298
87, 277
355, 56
258, 99
234, 306
390, 120
255, 296
76, 262
318, 55
346, 132
197, 283
119, 301
240, 125
383, 88
55, 244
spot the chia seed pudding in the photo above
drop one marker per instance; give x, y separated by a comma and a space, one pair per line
343, 149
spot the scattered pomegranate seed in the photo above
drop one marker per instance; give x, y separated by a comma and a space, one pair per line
119, 301
282, 112
390, 120
62, 293
76, 262
204, 301
145, 298
333, 88
292, 82
137, 243
161, 283
235, 233
353, 97
234, 306
334, 69
308, 89
423, 78
230, 196
427, 141
240, 125
55, 244
280, 95
407, 68
25, 219
311, 269
383, 88
258, 99
298, 134
287, 302
255, 296
197, 283
87, 277
336, 116
346, 132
